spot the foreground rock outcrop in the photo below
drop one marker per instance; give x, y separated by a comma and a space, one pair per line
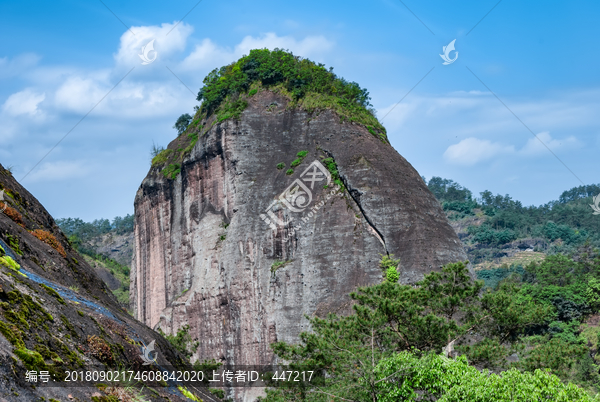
56, 315
241, 251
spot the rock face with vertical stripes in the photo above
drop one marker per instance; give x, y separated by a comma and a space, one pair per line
241, 250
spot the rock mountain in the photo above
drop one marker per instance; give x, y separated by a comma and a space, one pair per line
272, 216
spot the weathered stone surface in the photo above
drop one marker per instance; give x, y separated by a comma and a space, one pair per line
183, 273
118, 247
64, 308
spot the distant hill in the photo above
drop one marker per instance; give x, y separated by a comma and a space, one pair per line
108, 248
497, 230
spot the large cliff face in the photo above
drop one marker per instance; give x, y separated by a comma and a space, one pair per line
208, 242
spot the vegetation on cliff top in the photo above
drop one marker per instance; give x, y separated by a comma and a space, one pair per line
307, 84
227, 90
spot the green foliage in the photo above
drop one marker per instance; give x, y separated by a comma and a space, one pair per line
188, 394
392, 320
31, 359
207, 367
194, 139
182, 341
162, 157
53, 293
492, 277
301, 155
307, 85
592, 293
278, 264
289, 172
391, 275
13, 242
564, 224
219, 393
84, 232
280, 165
332, 167
172, 171
485, 234
182, 123
555, 354
448, 190
389, 266
12, 334
11, 264
405, 377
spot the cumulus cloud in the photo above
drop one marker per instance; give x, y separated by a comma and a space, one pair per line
208, 54
472, 150
535, 146
23, 102
167, 41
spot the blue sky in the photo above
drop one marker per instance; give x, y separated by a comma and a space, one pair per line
59, 59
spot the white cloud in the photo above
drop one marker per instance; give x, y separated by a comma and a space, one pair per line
208, 55
24, 102
79, 94
473, 150
535, 146
167, 41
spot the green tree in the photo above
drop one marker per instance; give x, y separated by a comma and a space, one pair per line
407, 377
182, 123
390, 318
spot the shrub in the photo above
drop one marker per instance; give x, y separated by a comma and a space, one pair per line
100, 349
182, 341
392, 275
172, 171
13, 242
332, 167
49, 239
162, 157
280, 165
301, 155
12, 214
289, 172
